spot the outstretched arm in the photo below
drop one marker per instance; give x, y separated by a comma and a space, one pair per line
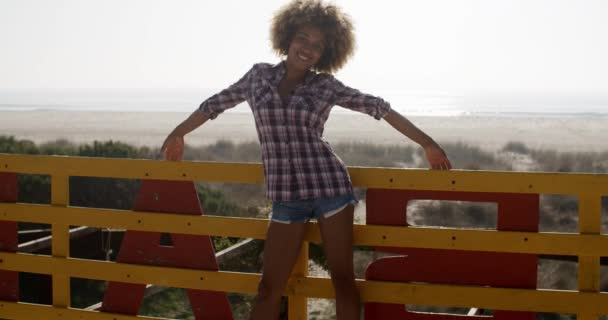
173, 147
434, 154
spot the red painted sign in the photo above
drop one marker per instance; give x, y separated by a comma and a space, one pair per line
187, 251
9, 280
516, 212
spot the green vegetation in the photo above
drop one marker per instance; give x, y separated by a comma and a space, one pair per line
371, 155
170, 303
553, 161
464, 156
517, 147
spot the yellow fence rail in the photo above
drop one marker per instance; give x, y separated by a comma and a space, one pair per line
588, 245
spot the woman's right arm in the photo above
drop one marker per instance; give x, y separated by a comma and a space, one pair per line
173, 147
195, 120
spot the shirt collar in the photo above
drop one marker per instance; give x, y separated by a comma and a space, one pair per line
280, 69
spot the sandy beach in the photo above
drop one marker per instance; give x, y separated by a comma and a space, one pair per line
563, 133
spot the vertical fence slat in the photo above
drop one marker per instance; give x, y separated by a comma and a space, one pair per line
297, 307
589, 208
60, 243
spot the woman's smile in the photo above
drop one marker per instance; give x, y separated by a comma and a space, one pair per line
306, 47
303, 57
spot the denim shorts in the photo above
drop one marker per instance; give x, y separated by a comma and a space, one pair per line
301, 211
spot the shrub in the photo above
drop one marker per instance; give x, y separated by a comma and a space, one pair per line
516, 147
464, 156
553, 161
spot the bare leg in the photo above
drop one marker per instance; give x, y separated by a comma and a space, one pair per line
281, 249
337, 234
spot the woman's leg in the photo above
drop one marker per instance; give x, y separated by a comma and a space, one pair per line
337, 234
281, 249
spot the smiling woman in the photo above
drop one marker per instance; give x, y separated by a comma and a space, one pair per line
305, 179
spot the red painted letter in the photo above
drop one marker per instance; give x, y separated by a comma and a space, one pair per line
188, 251
516, 212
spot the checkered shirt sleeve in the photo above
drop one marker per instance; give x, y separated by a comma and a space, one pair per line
356, 100
227, 98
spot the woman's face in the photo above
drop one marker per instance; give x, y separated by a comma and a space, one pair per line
306, 48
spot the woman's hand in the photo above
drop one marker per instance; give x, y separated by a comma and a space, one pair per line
173, 148
434, 154
436, 157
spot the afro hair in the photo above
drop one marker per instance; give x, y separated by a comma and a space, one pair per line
336, 26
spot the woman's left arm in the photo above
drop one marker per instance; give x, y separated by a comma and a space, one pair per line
355, 100
434, 154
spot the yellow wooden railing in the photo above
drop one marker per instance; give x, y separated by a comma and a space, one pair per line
588, 245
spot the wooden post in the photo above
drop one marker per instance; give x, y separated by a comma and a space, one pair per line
60, 196
589, 222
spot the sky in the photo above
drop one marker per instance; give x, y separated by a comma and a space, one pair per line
423, 45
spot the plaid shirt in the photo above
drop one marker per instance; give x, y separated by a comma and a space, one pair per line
298, 162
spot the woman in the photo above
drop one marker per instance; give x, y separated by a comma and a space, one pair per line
304, 178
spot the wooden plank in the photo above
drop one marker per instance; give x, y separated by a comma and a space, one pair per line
372, 291
390, 178
565, 244
27, 311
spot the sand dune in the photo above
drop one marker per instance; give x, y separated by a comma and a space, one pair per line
567, 133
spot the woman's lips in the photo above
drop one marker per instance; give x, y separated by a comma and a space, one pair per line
303, 57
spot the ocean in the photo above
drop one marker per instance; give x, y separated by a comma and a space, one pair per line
408, 103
